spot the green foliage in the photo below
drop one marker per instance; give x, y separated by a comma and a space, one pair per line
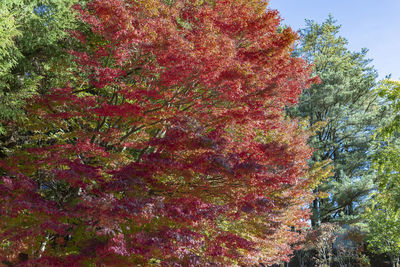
387, 159
387, 163
8, 31
383, 215
9, 54
33, 40
346, 103
384, 228
389, 90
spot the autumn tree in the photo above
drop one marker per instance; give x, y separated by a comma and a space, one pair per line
322, 240
168, 147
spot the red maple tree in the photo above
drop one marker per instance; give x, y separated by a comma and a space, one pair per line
169, 148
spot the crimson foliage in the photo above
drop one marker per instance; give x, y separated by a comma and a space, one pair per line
170, 147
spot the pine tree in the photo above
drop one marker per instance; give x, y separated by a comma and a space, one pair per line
345, 103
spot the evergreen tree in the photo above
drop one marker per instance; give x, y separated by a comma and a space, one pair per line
345, 102
34, 37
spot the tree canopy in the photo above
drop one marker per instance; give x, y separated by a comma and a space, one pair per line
191, 133
168, 146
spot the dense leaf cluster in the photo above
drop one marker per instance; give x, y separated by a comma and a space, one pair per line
167, 146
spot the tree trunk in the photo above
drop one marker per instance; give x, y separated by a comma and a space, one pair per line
316, 219
394, 261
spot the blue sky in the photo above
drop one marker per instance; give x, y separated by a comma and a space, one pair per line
365, 23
